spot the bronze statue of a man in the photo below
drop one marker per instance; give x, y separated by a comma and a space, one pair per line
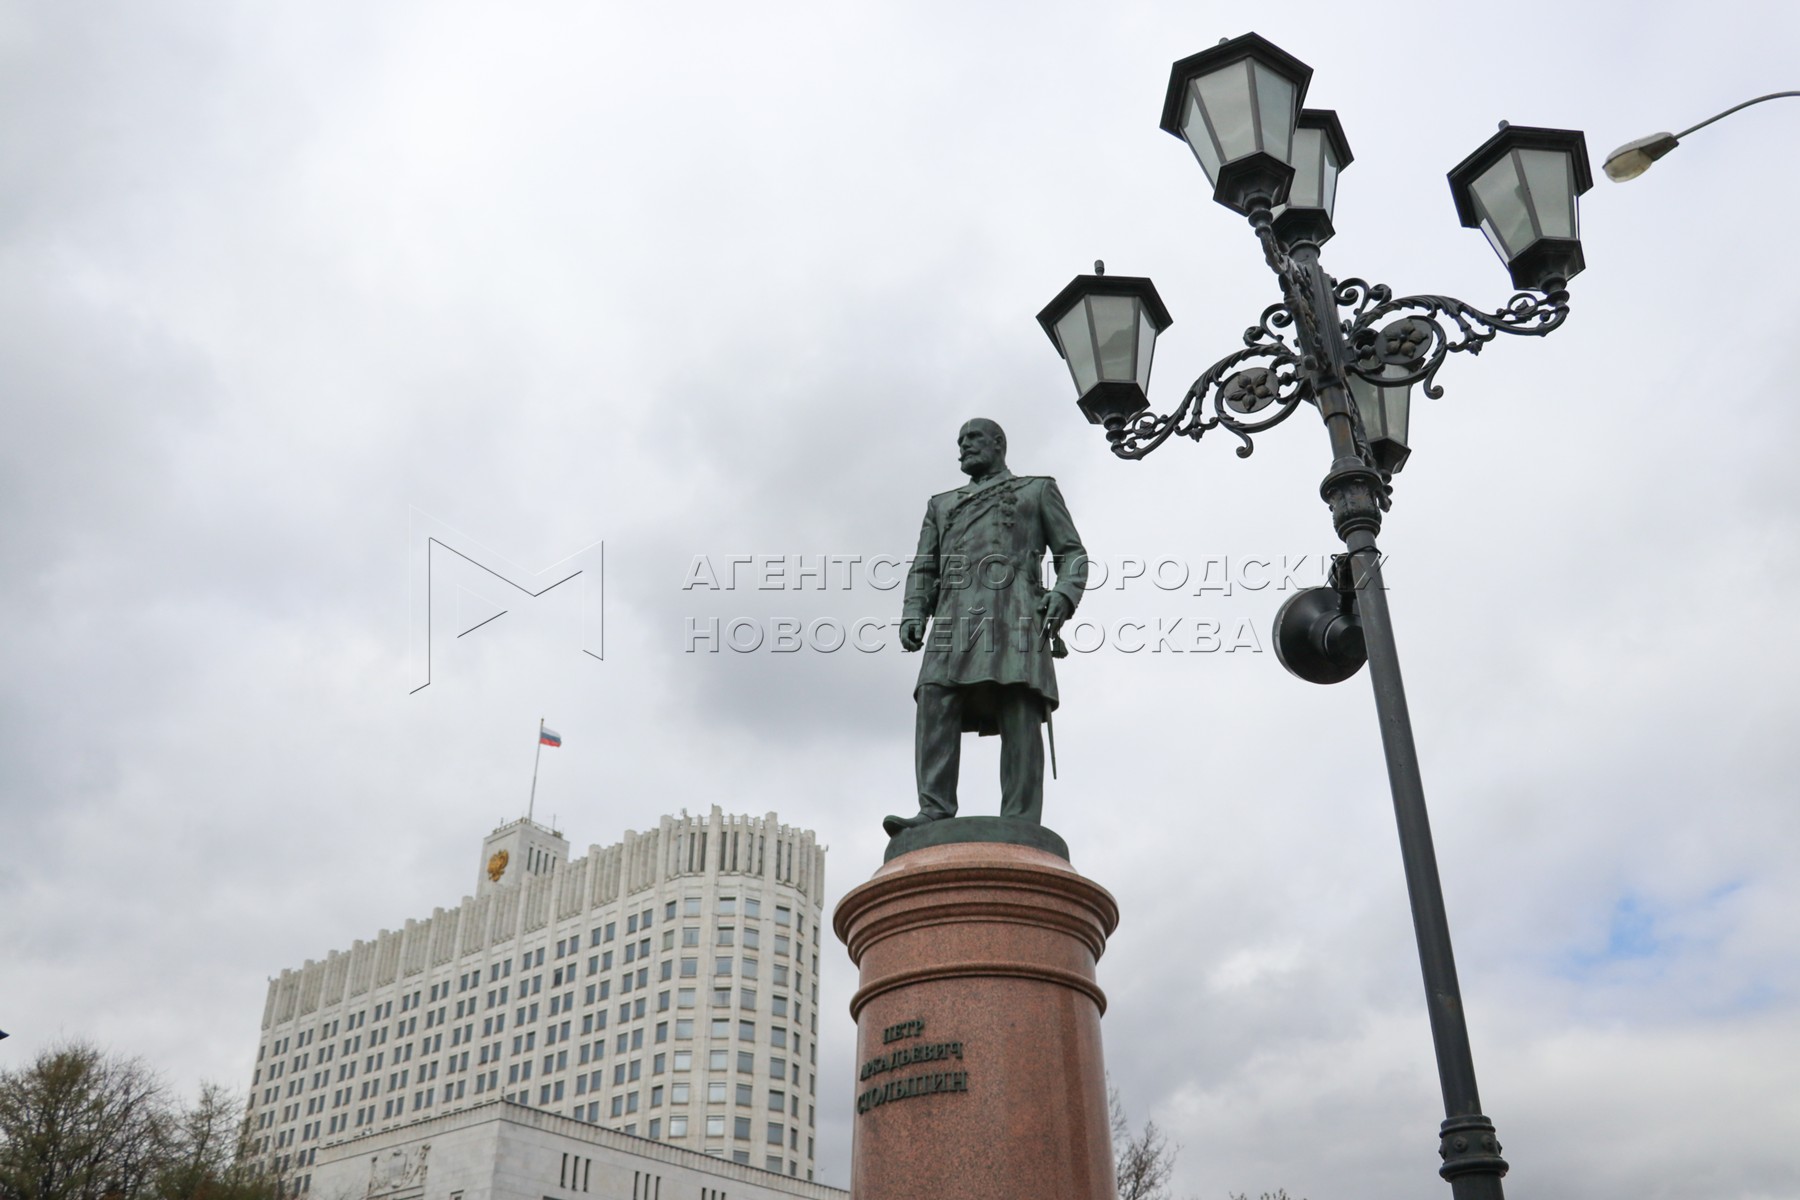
978, 577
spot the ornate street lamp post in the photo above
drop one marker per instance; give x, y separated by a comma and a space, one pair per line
1238, 107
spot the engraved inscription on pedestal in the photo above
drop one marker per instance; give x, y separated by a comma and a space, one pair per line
928, 1083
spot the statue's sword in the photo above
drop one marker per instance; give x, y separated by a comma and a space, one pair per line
1057, 650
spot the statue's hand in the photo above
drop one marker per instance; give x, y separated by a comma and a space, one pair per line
1056, 609
912, 634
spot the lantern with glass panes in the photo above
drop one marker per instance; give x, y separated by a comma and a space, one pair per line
1353, 351
1105, 326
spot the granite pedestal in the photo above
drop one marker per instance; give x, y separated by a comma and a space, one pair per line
979, 1068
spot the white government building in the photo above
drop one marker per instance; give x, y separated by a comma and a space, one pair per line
644, 1011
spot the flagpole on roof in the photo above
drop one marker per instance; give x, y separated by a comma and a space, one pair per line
532, 806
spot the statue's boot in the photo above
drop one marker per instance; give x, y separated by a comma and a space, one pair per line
894, 826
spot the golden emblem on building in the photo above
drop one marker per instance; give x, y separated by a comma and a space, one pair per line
497, 865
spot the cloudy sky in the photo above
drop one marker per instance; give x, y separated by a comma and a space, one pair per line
286, 289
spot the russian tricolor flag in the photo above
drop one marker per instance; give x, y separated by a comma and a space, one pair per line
549, 737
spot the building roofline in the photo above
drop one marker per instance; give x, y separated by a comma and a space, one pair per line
523, 1114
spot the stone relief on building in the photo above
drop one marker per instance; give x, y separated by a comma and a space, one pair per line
399, 1170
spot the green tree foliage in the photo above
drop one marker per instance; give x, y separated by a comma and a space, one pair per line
76, 1124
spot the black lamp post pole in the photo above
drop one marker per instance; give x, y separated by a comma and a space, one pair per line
1468, 1146
1353, 488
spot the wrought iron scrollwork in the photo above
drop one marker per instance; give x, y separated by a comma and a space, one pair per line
1413, 348
1230, 391
1359, 296
1386, 340
1264, 332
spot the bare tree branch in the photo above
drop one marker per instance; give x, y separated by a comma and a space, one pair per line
1142, 1162
79, 1125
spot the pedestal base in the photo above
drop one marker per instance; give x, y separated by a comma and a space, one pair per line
979, 1069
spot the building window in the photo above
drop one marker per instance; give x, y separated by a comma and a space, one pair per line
744, 1096
678, 1127
715, 1126
740, 1128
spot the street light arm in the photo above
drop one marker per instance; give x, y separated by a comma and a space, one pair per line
1634, 157
1411, 349
1732, 109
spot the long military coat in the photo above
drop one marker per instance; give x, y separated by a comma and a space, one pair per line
979, 576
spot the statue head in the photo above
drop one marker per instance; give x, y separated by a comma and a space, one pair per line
981, 447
